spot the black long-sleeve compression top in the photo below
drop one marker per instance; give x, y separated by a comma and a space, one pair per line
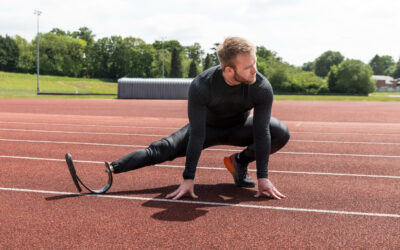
214, 103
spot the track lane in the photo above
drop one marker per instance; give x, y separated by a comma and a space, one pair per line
382, 133
286, 110
213, 157
305, 191
98, 224
172, 225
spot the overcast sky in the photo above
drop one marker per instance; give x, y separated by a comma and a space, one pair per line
298, 30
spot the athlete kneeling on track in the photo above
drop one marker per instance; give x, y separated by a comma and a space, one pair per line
219, 105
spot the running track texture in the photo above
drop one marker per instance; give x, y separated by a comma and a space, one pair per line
340, 172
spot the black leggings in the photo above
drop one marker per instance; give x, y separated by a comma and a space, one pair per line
174, 145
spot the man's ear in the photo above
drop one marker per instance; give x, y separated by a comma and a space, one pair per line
229, 70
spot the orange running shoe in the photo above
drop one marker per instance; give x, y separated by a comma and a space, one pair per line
238, 171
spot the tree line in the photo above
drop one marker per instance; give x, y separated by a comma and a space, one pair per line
348, 75
78, 54
380, 65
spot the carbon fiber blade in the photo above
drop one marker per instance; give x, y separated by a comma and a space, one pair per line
70, 164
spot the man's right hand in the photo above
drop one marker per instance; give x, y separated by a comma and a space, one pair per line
187, 186
266, 185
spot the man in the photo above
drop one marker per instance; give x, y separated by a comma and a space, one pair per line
219, 105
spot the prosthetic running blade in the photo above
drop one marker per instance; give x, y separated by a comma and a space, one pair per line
76, 180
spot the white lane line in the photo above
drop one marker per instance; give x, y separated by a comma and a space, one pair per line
343, 133
163, 135
79, 132
207, 203
340, 155
208, 149
347, 142
127, 145
86, 125
294, 172
75, 143
295, 123
213, 168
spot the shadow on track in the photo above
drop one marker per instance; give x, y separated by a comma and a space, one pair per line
172, 211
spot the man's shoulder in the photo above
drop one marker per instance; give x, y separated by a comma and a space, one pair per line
261, 90
208, 74
203, 80
262, 82
199, 88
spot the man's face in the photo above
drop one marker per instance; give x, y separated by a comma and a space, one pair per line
246, 68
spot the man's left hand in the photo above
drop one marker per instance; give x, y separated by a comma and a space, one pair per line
265, 185
187, 186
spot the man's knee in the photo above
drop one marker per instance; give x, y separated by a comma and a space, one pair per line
285, 133
160, 151
280, 136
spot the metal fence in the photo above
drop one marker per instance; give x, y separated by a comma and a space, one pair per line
153, 88
388, 89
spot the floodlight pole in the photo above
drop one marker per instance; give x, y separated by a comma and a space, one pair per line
37, 12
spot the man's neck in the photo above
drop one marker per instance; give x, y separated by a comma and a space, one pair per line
229, 80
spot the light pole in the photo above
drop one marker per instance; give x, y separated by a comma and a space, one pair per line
162, 41
37, 12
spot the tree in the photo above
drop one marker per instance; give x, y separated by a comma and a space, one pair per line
9, 54
83, 33
208, 62
169, 45
58, 32
323, 63
263, 53
61, 55
396, 73
173, 53
161, 60
26, 61
308, 66
176, 64
390, 71
214, 56
194, 52
279, 78
382, 65
388, 61
97, 58
377, 64
268, 62
117, 60
332, 78
140, 57
305, 82
354, 77
193, 71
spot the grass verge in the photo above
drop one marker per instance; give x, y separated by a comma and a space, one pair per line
24, 85
376, 97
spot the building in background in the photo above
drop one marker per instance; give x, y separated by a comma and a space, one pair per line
386, 83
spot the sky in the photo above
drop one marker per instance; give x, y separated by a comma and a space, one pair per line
297, 30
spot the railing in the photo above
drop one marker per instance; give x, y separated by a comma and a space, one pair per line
153, 88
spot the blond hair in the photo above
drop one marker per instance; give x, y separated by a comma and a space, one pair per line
230, 48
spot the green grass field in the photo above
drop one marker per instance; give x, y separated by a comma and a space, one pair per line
24, 85
376, 96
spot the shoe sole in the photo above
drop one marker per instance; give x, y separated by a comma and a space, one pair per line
228, 164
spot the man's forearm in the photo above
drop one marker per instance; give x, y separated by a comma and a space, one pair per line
193, 153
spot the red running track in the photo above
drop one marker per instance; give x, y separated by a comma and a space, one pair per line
340, 171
